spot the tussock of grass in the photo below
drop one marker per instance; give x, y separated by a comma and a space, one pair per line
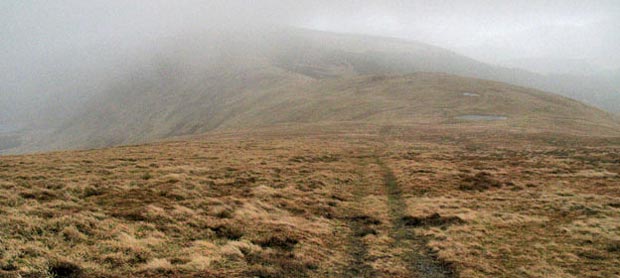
157, 212
490, 204
540, 211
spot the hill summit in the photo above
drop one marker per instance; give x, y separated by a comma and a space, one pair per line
287, 76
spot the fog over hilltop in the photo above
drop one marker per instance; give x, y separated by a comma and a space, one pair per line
58, 54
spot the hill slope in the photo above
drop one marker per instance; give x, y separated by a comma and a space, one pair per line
245, 80
412, 202
281, 97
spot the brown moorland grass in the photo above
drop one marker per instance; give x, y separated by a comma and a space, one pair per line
516, 208
316, 203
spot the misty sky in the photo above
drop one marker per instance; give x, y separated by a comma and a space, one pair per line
489, 29
42, 38
493, 30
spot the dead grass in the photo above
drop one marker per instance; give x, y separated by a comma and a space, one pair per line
533, 210
257, 207
504, 205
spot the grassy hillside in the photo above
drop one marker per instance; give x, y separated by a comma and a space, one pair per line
377, 55
318, 201
253, 98
247, 79
309, 154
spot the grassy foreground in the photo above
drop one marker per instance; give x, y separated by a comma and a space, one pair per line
384, 202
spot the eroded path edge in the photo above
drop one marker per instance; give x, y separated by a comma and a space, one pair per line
420, 259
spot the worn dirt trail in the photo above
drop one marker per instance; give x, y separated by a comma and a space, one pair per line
412, 251
357, 249
420, 260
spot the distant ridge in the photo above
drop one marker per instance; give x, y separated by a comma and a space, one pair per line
246, 80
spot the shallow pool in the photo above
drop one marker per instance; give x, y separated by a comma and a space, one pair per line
467, 94
482, 117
